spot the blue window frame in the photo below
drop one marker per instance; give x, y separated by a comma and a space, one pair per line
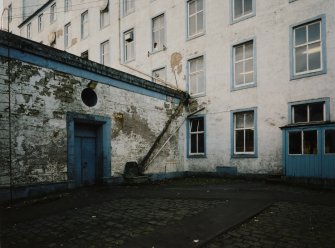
243, 65
195, 18
196, 136
241, 10
196, 76
244, 133
308, 48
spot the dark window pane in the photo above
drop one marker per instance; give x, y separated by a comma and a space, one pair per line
239, 142
314, 32
330, 141
300, 35
314, 56
316, 111
300, 59
294, 142
300, 113
249, 140
194, 125
193, 143
201, 143
310, 142
201, 124
238, 8
247, 6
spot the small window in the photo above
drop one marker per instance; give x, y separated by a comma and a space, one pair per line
242, 9
196, 77
243, 60
159, 75
309, 112
303, 142
128, 7
330, 141
67, 35
84, 24
53, 13
244, 133
10, 13
196, 136
84, 55
104, 17
129, 45
40, 23
67, 5
28, 30
158, 33
196, 21
104, 53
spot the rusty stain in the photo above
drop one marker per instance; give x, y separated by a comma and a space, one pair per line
74, 41
175, 62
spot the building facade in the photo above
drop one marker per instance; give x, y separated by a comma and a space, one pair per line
261, 72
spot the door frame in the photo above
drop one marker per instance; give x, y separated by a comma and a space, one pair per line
103, 125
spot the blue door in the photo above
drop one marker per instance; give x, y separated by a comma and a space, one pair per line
85, 155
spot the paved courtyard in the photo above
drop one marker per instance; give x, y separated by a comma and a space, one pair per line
207, 213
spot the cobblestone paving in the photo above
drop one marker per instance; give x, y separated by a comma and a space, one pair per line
284, 225
108, 224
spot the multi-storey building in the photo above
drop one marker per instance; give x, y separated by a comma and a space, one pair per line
259, 72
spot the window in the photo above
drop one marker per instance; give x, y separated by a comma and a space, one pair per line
53, 13
40, 23
84, 24
67, 35
128, 7
129, 45
308, 56
104, 53
196, 77
67, 5
29, 30
303, 142
159, 75
309, 112
10, 13
158, 33
84, 55
195, 12
242, 9
243, 63
244, 133
104, 17
196, 136
330, 141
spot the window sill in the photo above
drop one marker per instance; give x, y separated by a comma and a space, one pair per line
128, 61
195, 36
101, 28
157, 51
233, 21
128, 13
198, 95
308, 74
236, 88
244, 156
196, 156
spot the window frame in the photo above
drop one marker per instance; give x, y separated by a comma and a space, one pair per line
326, 108
244, 17
153, 50
128, 11
323, 36
235, 154
188, 135
233, 87
82, 24
10, 13
40, 23
197, 34
67, 5
102, 14
125, 58
199, 94
29, 30
53, 13
103, 54
67, 35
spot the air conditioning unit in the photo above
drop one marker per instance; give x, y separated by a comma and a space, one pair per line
129, 37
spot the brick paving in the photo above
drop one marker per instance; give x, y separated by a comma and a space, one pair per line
284, 225
108, 224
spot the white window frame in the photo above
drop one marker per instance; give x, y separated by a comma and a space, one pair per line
104, 18
29, 30
128, 7
40, 23
84, 25
67, 5
161, 32
197, 32
67, 35
105, 54
244, 128
198, 74
53, 13
158, 79
197, 132
243, 16
129, 44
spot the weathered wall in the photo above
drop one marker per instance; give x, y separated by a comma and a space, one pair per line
41, 99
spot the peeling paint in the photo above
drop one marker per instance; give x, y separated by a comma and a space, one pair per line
176, 62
